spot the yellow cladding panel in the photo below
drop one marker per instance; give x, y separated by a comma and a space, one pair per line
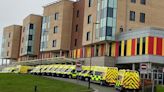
141, 41
147, 41
155, 46
88, 51
78, 53
122, 47
74, 53
163, 47
113, 49
129, 47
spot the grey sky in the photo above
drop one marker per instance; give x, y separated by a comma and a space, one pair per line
14, 11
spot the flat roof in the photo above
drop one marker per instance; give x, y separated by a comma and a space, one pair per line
55, 2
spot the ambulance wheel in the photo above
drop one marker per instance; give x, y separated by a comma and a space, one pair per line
86, 79
102, 83
70, 76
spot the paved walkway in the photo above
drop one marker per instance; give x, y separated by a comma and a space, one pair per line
97, 87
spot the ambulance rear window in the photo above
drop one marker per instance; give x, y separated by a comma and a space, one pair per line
98, 73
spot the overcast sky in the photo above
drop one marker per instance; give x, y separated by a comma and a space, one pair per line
14, 11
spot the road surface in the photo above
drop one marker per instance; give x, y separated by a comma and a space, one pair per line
96, 87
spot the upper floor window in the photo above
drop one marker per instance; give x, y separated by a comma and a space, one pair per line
133, 1
75, 42
7, 53
110, 12
29, 48
88, 36
30, 37
143, 2
21, 50
89, 3
56, 29
142, 17
56, 16
89, 19
77, 27
8, 44
109, 31
31, 26
77, 13
54, 43
132, 16
9, 35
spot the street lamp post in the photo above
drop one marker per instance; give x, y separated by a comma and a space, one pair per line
90, 63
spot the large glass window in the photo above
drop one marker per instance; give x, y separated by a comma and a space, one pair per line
142, 17
110, 12
109, 31
132, 16
29, 48
30, 37
88, 36
89, 19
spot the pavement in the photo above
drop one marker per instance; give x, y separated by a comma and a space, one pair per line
96, 87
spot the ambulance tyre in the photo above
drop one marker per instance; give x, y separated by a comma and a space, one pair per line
70, 76
102, 83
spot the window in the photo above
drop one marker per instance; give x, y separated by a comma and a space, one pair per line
22, 39
56, 17
75, 42
121, 29
23, 29
89, 19
9, 35
132, 16
88, 36
143, 2
55, 29
133, 1
8, 44
77, 13
77, 27
54, 43
89, 3
109, 31
21, 50
7, 53
30, 37
142, 17
31, 26
110, 12
29, 48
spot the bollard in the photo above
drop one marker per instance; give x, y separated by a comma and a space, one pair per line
35, 88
